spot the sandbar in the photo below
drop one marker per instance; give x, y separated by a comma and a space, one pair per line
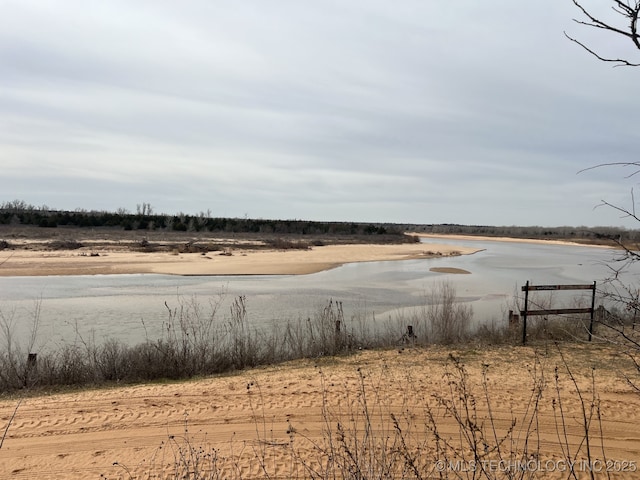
88, 261
449, 270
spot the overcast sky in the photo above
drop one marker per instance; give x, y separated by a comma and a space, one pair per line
425, 111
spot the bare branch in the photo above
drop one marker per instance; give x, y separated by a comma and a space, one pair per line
620, 61
615, 164
627, 10
625, 212
9, 423
6, 260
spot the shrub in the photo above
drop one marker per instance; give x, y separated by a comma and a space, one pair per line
64, 245
448, 319
283, 244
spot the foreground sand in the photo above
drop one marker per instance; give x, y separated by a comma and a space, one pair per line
80, 435
240, 262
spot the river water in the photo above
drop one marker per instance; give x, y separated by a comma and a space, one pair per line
134, 307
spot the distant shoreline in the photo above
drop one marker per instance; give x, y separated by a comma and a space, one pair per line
538, 241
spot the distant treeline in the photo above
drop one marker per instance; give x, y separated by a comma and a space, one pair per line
18, 212
595, 234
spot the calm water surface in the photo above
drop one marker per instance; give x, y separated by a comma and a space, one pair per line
130, 307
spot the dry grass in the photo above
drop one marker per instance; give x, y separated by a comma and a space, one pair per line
383, 423
198, 338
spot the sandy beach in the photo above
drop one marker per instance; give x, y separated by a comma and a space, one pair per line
258, 413
104, 261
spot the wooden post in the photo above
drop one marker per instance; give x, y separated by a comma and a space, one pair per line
32, 360
337, 336
593, 306
524, 314
32, 364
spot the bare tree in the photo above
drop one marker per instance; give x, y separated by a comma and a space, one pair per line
625, 25
621, 288
144, 209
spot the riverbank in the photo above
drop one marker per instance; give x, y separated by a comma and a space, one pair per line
105, 260
256, 414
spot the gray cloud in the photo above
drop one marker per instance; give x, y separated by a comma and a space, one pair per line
459, 112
